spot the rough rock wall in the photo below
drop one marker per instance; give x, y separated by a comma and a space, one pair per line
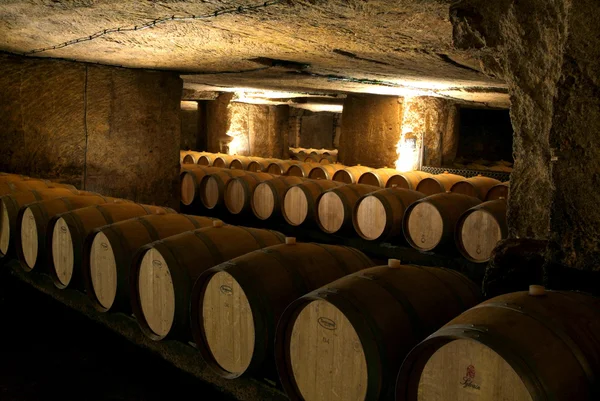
247, 129
370, 130
547, 51
317, 130
433, 121
42, 114
105, 129
189, 125
133, 131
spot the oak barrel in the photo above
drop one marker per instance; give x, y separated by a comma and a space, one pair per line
258, 165
347, 339
68, 231
408, 179
475, 186
430, 223
350, 175
192, 157
280, 167
11, 187
190, 183
301, 169
268, 196
327, 159
163, 273
32, 226
109, 250
207, 159
377, 178
480, 228
312, 158
241, 162
9, 210
300, 201
239, 191
223, 161
498, 191
438, 183
379, 215
334, 207
523, 346
212, 187
325, 172
236, 305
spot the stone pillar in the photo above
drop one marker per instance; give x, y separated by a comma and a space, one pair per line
317, 130
189, 125
217, 121
547, 50
434, 123
370, 130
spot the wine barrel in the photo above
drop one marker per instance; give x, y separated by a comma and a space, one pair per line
523, 346
109, 250
11, 187
325, 172
299, 156
241, 162
163, 273
67, 233
475, 186
280, 167
207, 159
379, 215
268, 196
312, 158
407, 180
301, 169
231, 300
479, 229
430, 223
377, 178
498, 191
9, 210
327, 159
438, 183
299, 202
190, 183
347, 339
258, 165
223, 161
13, 177
212, 187
350, 175
334, 207
192, 157
32, 226
239, 191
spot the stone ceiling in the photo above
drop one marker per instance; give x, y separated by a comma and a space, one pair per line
400, 47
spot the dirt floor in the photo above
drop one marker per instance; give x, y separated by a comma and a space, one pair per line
50, 352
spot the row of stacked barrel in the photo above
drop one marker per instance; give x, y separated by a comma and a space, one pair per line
255, 302
454, 216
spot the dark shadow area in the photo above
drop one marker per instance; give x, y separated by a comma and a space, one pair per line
50, 352
485, 134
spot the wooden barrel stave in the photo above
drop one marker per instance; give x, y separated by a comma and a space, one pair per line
178, 261
258, 165
190, 178
212, 187
350, 175
268, 196
380, 215
302, 169
239, 191
407, 180
430, 223
32, 226
300, 201
269, 279
109, 250
498, 191
70, 229
281, 167
325, 172
438, 183
475, 186
516, 346
335, 207
377, 178
364, 343
223, 161
191, 157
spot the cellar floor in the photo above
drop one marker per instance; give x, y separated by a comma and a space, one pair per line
51, 352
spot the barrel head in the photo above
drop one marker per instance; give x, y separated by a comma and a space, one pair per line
263, 201
103, 270
210, 193
62, 252
425, 226
295, 206
371, 218
188, 189
331, 212
235, 196
29, 238
479, 234
4, 229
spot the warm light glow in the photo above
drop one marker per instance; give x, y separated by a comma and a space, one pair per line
189, 105
408, 154
238, 144
411, 139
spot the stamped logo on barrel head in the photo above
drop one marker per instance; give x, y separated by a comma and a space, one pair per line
156, 263
104, 246
468, 381
227, 290
327, 323
63, 229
